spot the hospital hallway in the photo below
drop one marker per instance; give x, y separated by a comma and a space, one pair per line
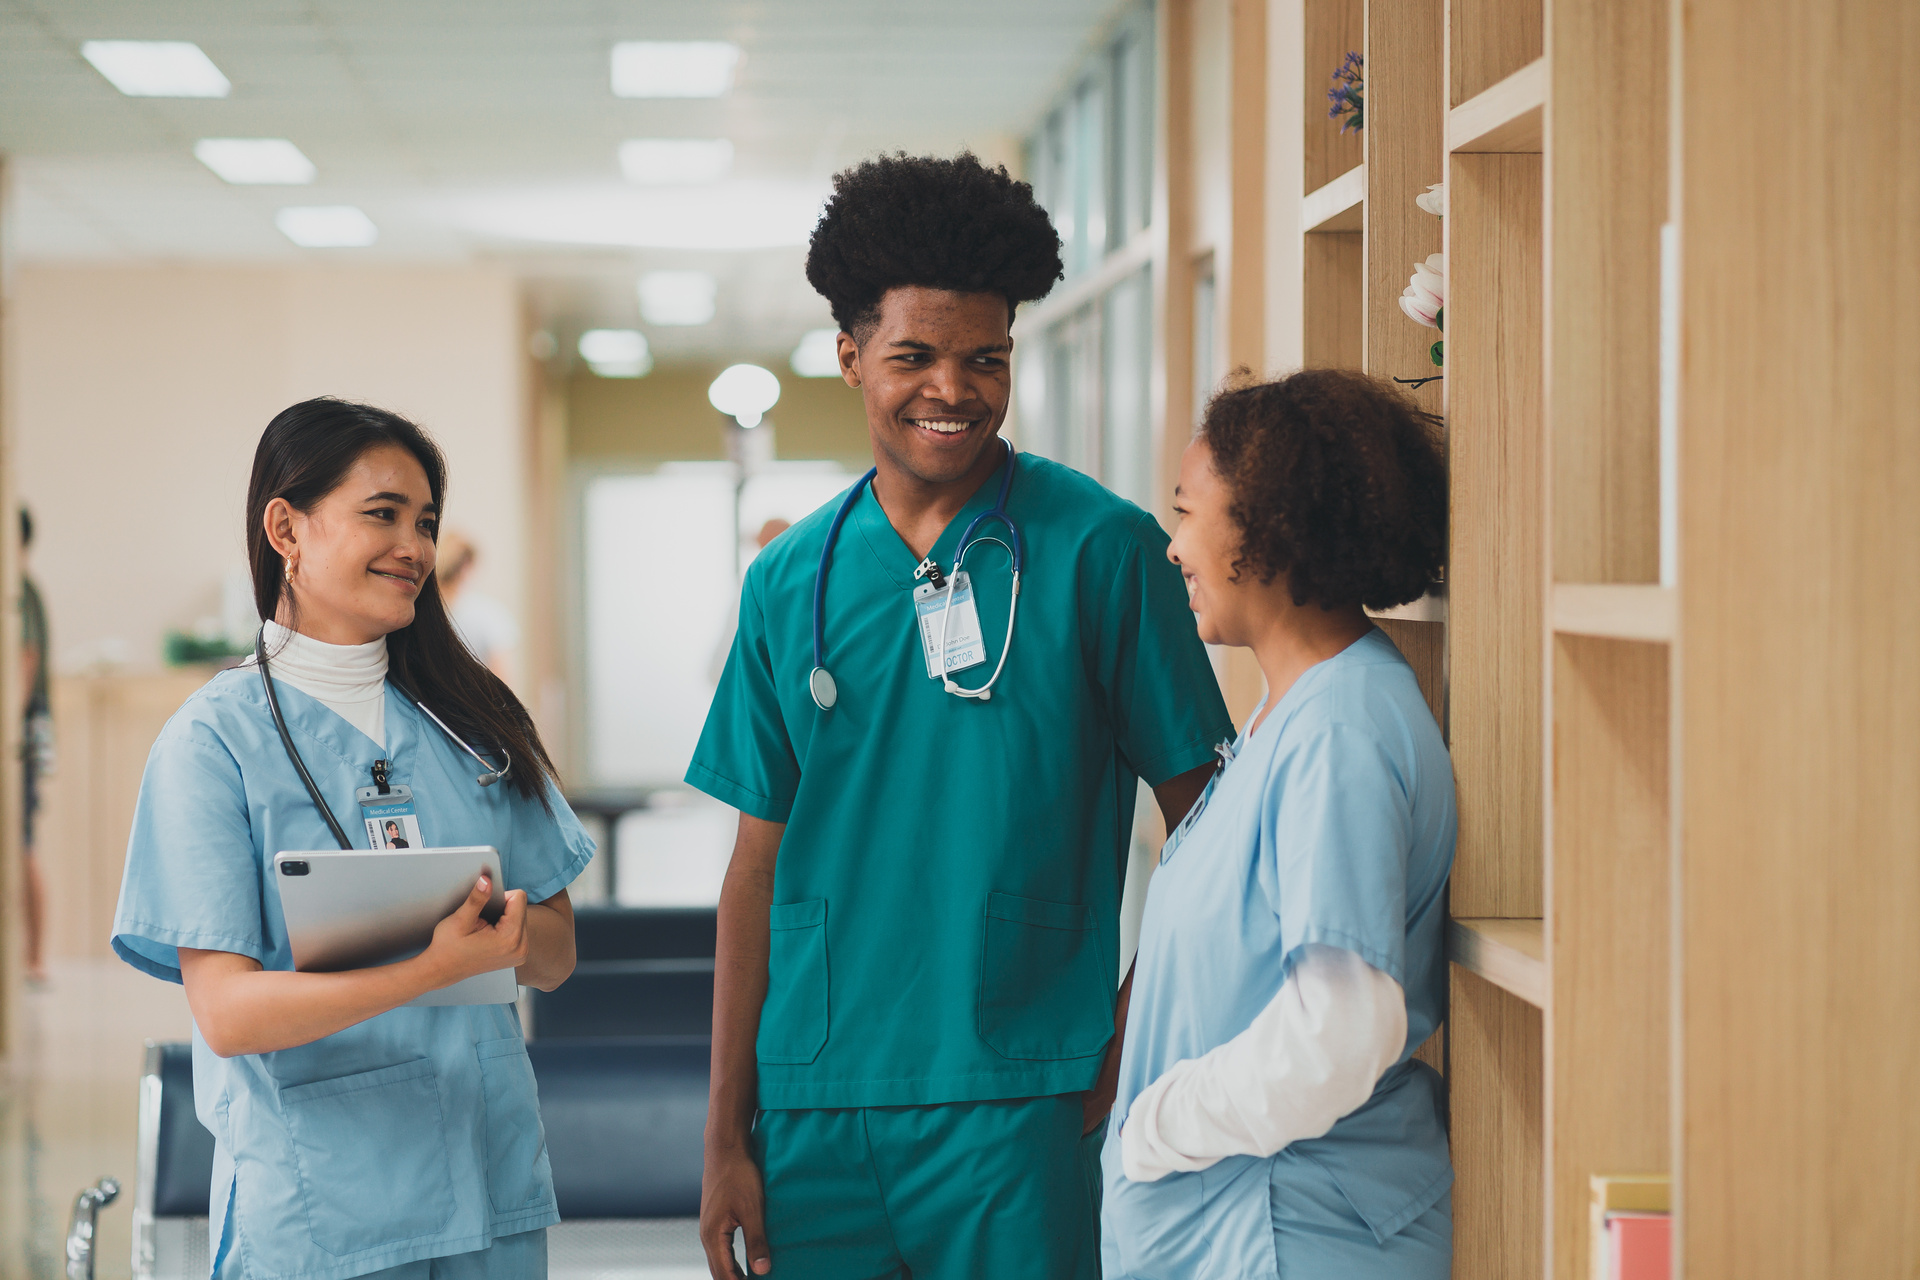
882, 463
70, 1105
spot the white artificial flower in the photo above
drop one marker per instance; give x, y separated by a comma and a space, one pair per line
1426, 292
1434, 201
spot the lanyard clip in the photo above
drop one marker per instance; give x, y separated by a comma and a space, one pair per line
931, 572
380, 777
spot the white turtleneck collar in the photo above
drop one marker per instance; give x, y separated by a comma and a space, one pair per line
348, 679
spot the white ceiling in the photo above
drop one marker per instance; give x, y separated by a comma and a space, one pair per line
457, 123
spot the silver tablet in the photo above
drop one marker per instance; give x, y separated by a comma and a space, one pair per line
357, 908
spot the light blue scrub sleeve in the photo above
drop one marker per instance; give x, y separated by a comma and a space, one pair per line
1338, 827
744, 757
191, 879
1161, 694
546, 852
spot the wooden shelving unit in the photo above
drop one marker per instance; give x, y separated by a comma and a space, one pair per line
1638, 966
1548, 652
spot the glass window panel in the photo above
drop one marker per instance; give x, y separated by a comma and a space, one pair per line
1090, 178
1133, 79
1031, 374
1127, 333
1206, 370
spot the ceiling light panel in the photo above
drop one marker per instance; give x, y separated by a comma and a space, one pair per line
156, 68
676, 297
616, 353
818, 355
255, 161
326, 226
661, 162
673, 69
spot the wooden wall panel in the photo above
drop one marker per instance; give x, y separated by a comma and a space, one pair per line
1608, 923
1424, 646
1406, 131
1799, 671
1495, 1091
1489, 40
1495, 569
1333, 29
1331, 295
104, 728
1607, 196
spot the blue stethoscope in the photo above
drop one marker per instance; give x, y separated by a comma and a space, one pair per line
820, 681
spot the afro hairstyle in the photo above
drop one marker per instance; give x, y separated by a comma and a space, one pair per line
941, 224
1338, 481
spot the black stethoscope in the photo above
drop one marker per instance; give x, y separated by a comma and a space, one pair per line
820, 682
487, 779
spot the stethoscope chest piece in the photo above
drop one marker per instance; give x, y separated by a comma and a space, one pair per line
825, 692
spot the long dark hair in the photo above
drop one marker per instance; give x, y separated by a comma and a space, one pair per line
305, 454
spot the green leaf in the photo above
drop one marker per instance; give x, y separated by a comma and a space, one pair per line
1438, 352
1440, 319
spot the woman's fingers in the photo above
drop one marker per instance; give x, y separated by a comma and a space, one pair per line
468, 913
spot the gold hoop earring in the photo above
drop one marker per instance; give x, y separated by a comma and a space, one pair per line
289, 564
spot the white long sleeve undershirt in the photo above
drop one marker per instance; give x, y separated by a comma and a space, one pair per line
1310, 1057
348, 679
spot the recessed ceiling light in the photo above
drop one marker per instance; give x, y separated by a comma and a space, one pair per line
255, 161
616, 353
659, 162
673, 69
744, 392
818, 355
156, 68
676, 297
326, 226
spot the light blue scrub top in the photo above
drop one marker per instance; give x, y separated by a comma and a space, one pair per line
1334, 824
415, 1134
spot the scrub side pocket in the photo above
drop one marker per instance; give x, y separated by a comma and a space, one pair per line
371, 1151
518, 1174
1046, 992
793, 1021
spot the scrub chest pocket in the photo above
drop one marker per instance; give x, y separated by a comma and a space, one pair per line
1045, 988
793, 1021
404, 1195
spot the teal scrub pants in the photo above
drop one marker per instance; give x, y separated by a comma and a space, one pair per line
515, 1257
997, 1190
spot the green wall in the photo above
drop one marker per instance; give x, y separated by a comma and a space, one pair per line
665, 417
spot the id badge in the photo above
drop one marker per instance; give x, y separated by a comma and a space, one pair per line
965, 648
391, 821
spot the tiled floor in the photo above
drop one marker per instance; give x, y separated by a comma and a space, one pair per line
68, 1108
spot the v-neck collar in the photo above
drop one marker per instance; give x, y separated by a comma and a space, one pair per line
889, 549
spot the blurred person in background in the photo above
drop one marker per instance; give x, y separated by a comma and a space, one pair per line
484, 623
917, 988
1271, 1118
36, 754
717, 664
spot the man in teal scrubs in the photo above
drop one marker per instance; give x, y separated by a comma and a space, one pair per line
915, 992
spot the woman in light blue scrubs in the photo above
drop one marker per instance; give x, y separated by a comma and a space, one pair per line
355, 1133
1271, 1121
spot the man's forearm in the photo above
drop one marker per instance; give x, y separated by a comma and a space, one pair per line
740, 982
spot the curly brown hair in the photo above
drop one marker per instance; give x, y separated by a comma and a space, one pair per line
1337, 481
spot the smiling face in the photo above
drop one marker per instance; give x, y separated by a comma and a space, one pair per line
1227, 608
361, 554
935, 375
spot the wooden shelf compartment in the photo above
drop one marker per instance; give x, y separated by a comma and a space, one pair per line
1506, 117
1511, 954
1489, 40
1615, 610
1496, 1090
1333, 29
1496, 570
1608, 1098
1336, 206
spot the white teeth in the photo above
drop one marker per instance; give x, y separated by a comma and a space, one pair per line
943, 427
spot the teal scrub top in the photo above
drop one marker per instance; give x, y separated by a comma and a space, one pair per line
946, 900
415, 1134
1334, 824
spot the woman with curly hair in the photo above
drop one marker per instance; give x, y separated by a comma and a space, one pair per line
1271, 1120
